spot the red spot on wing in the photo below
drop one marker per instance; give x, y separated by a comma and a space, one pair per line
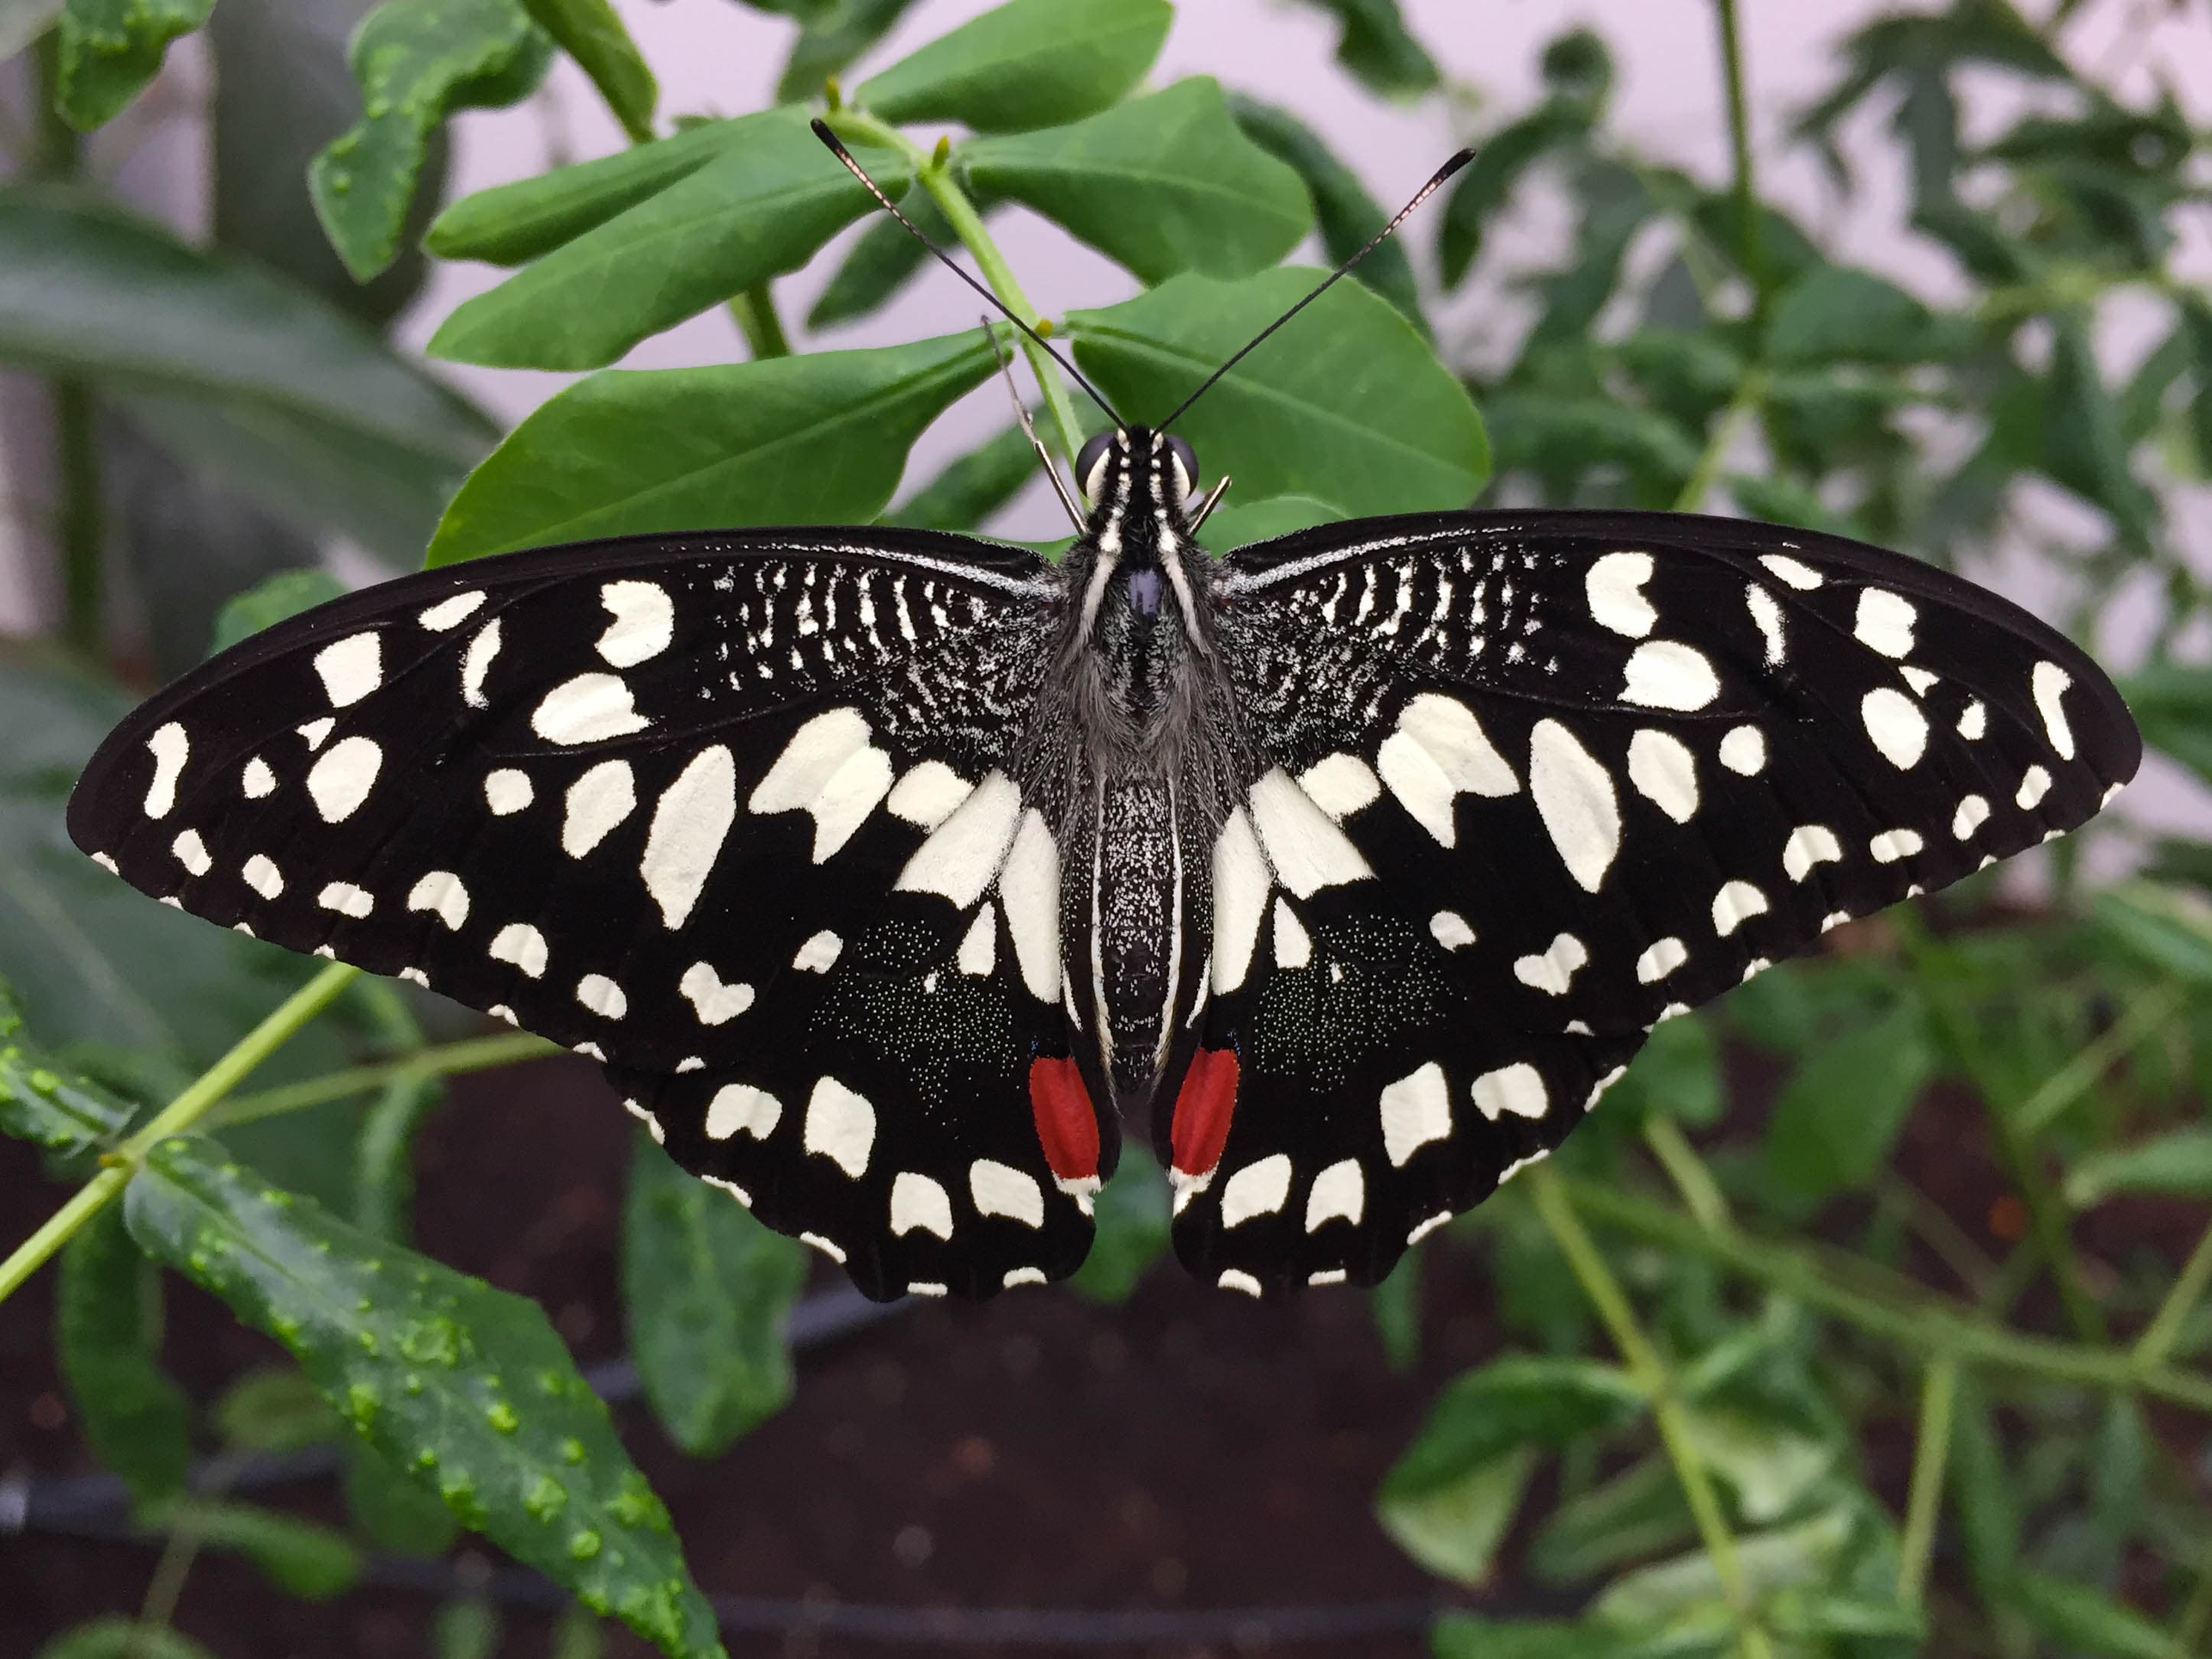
1199, 1127
1066, 1127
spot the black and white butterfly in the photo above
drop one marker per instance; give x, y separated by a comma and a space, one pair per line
885, 869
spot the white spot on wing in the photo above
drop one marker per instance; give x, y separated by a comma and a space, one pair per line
261, 874
644, 623
586, 709
713, 1001
1017, 1277
1416, 1110
689, 823
1892, 845
1661, 959
1341, 785
1293, 944
2048, 682
1256, 1189
830, 771
602, 996
1029, 887
508, 791
1974, 722
1552, 971
1737, 902
819, 954
475, 664
169, 746
928, 794
1790, 572
1809, 844
918, 1203
1973, 813
341, 780
1574, 793
963, 853
192, 852
256, 780
1766, 613
1895, 726
315, 732
350, 669
1450, 929
346, 899
2035, 785
741, 1107
1306, 849
1438, 752
1665, 773
979, 946
442, 892
1743, 751
1339, 1192
841, 1125
1001, 1190
1613, 588
1884, 622
1240, 898
1668, 674
450, 612
1236, 1278
596, 802
523, 945
1518, 1089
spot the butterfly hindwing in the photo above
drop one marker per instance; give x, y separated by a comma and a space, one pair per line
1525, 785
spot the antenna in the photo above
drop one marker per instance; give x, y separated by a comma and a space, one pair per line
1435, 182
837, 148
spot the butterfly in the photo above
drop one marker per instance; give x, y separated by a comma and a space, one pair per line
885, 871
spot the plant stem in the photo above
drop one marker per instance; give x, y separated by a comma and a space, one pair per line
1750, 229
1927, 1323
1645, 1365
2159, 1336
1687, 1170
2080, 1074
755, 311
444, 1060
1730, 421
178, 1115
1931, 1451
968, 224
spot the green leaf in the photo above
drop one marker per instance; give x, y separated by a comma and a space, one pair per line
1653, 1596
1833, 313
834, 33
2084, 1621
1027, 64
1832, 1127
294, 402
1249, 522
417, 62
1377, 48
763, 202
511, 224
1519, 1400
275, 1409
118, 1637
267, 603
1453, 1528
883, 259
1349, 405
108, 1333
1346, 216
1989, 1513
43, 1103
708, 1291
2172, 703
1769, 1463
814, 439
465, 1386
1638, 1514
2177, 1162
1132, 1217
2168, 927
1559, 438
110, 49
1464, 1635
972, 486
2196, 324
297, 1555
1396, 1307
390, 1510
467, 1627
1678, 1073
2083, 444
591, 32
1163, 184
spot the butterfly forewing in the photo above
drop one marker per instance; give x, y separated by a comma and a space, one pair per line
731, 812
1523, 786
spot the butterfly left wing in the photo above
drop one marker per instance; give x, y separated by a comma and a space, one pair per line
1522, 785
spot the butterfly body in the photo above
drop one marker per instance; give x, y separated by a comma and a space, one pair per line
884, 869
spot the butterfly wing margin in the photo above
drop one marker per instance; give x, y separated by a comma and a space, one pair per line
737, 737
1485, 796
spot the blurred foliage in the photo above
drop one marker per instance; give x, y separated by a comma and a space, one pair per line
1867, 1319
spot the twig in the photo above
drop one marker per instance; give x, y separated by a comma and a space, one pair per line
1751, 238
2080, 1074
2164, 1328
755, 311
178, 1115
1699, 1191
443, 1059
1931, 1452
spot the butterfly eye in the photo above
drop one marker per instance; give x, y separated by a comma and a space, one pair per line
1186, 465
1090, 464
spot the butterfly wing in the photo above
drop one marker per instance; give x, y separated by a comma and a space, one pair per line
680, 802
1528, 783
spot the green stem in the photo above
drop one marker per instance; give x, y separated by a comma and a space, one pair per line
755, 311
1687, 1170
2080, 1074
178, 1115
936, 176
2159, 1336
1750, 229
445, 1059
79, 527
1556, 1208
1931, 1451
1923, 1321
1730, 421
